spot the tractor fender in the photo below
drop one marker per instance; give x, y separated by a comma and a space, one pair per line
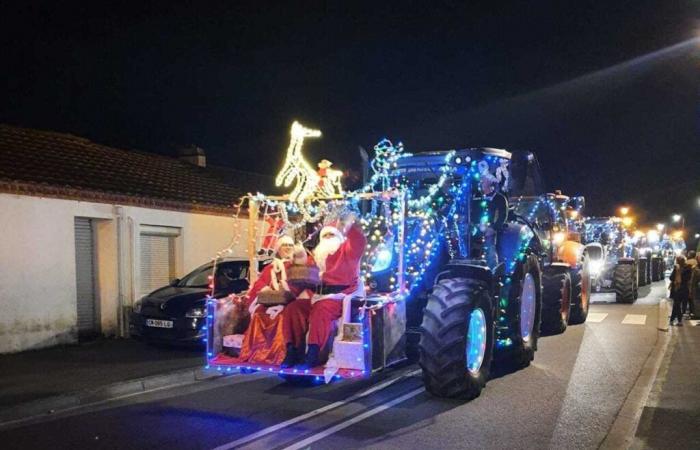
466, 268
625, 260
570, 252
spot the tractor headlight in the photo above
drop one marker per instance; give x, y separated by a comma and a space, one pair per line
595, 266
559, 238
383, 259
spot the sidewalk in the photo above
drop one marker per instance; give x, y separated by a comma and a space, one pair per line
671, 416
32, 376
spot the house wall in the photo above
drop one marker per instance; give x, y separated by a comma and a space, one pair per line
37, 263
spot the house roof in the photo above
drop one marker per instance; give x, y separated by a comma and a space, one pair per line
49, 164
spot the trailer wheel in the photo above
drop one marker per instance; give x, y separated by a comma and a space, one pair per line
457, 335
624, 281
556, 301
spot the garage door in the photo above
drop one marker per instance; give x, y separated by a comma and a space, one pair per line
85, 276
157, 266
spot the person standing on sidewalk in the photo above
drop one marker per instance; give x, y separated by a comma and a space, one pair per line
694, 297
679, 288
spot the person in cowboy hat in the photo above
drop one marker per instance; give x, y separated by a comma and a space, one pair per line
338, 256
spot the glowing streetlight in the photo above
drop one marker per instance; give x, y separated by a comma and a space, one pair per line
660, 227
627, 221
624, 210
697, 235
676, 217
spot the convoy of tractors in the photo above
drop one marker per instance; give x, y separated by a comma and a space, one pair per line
450, 273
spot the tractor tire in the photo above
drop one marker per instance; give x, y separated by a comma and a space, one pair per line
580, 294
624, 283
454, 306
526, 331
556, 301
657, 273
642, 270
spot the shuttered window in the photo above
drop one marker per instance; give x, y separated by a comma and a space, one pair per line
85, 276
157, 265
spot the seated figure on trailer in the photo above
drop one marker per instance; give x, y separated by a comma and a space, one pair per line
263, 342
338, 255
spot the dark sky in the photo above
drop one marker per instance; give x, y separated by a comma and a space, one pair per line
549, 77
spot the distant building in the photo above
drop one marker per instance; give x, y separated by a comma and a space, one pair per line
85, 230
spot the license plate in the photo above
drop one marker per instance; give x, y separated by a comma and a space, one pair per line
159, 323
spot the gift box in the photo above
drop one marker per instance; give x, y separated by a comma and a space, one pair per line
270, 297
303, 276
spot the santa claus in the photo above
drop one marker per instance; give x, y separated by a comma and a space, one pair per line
338, 256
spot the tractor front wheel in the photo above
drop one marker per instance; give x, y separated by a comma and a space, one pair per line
457, 337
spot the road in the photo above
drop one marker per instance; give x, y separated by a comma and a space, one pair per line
567, 398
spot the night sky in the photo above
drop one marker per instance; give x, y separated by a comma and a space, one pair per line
595, 88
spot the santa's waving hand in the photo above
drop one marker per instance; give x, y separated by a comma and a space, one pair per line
338, 256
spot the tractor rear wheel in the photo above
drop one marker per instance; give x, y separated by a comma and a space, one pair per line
580, 293
624, 283
526, 295
556, 301
642, 270
657, 273
457, 338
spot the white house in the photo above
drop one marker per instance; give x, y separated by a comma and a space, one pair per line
85, 230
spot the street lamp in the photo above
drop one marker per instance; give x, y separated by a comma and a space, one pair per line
660, 227
679, 218
624, 210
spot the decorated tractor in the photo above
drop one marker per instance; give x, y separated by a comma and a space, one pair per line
426, 244
566, 278
613, 259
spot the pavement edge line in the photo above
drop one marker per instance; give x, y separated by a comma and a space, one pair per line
58, 403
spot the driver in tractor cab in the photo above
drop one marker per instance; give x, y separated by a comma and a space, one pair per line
497, 216
338, 256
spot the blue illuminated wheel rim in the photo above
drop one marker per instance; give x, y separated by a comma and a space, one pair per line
528, 302
476, 340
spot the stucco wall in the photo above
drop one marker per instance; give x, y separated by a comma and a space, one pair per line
37, 262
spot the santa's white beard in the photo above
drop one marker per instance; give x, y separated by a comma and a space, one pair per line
326, 247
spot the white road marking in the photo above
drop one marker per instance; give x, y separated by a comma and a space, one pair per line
341, 426
603, 297
596, 317
635, 319
314, 413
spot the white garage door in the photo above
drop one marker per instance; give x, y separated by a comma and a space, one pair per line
85, 276
157, 266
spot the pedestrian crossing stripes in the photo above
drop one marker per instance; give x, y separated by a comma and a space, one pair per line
635, 319
629, 319
596, 317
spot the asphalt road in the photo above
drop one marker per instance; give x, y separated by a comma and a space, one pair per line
567, 398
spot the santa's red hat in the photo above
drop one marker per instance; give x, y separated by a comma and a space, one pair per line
332, 228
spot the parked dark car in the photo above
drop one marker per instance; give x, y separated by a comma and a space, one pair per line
176, 313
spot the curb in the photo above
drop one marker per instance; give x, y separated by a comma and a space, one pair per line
622, 432
55, 404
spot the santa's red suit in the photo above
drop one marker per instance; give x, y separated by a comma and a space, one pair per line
341, 275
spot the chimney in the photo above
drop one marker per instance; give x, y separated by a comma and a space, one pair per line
192, 154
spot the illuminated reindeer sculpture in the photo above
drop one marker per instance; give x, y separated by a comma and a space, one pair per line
296, 167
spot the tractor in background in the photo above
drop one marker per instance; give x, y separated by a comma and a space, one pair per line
614, 259
566, 275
